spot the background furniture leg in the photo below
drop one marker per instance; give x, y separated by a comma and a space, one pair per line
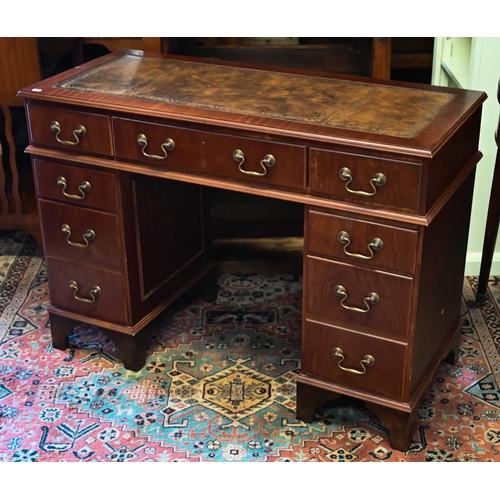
492, 223
454, 352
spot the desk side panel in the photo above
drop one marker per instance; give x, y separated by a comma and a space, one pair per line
449, 161
441, 280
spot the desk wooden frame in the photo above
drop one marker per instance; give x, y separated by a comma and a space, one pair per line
423, 139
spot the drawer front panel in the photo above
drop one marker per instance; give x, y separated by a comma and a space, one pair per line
99, 188
109, 304
384, 377
402, 179
371, 244
390, 313
210, 153
81, 235
96, 138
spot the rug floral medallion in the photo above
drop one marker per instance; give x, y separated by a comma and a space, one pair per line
218, 384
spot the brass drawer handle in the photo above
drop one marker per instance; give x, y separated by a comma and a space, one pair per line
369, 300
378, 180
168, 145
267, 162
95, 291
88, 236
78, 133
367, 360
375, 244
84, 188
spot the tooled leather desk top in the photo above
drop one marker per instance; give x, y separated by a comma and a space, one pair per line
393, 111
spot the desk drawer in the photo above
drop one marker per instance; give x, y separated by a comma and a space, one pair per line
373, 244
389, 313
84, 187
402, 179
108, 304
385, 376
81, 235
95, 139
210, 153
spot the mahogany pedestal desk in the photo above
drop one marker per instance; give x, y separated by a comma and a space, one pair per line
123, 146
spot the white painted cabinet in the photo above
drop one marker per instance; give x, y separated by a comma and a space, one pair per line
474, 63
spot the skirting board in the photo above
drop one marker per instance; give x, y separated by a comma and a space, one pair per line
473, 264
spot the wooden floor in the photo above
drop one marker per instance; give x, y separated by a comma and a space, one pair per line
253, 234
259, 255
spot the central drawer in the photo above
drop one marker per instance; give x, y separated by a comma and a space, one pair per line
354, 302
233, 157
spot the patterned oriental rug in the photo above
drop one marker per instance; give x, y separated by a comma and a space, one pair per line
219, 383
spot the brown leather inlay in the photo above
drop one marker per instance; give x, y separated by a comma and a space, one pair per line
380, 109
